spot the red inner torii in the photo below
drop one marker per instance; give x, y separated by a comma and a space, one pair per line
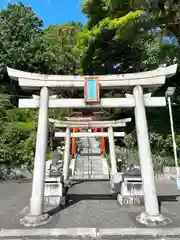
74, 139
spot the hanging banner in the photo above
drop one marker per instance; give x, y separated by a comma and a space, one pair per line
91, 90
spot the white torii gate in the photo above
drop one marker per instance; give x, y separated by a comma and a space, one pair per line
137, 81
105, 124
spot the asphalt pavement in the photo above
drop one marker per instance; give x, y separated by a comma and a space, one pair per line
91, 206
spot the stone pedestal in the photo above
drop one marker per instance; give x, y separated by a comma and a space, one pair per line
54, 192
54, 185
153, 221
35, 221
131, 191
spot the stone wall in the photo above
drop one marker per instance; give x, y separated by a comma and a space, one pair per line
22, 170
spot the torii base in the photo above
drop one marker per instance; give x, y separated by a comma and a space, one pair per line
153, 221
34, 221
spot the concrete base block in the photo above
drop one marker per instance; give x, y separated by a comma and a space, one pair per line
53, 193
53, 179
54, 201
153, 221
115, 181
34, 221
130, 200
129, 188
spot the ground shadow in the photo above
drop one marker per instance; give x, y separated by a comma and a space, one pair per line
167, 198
76, 183
75, 198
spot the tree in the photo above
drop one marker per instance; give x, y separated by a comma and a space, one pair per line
62, 39
22, 42
24, 46
123, 38
131, 36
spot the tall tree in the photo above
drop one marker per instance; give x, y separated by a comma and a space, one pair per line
22, 42
62, 39
123, 38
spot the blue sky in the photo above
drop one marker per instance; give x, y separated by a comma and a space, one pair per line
53, 11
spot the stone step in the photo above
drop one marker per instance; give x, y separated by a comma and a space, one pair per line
91, 177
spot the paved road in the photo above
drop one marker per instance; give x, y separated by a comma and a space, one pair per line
91, 206
14, 197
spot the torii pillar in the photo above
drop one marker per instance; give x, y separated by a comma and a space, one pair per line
74, 141
36, 215
103, 147
152, 216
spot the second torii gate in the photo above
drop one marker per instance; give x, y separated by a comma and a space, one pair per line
79, 124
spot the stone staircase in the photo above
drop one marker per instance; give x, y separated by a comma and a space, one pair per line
90, 164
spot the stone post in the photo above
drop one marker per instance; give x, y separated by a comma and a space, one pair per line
67, 154
151, 215
36, 216
112, 157
112, 151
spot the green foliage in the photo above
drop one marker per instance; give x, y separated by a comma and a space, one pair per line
161, 147
11, 142
49, 156
62, 39
22, 42
26, 46
119, 37
101, 46
27, 149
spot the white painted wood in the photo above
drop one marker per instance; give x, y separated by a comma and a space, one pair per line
37, 198
112, 151
50, 97
155, 101
148, 94
67, 154
145, 156
89, 134
104, 103
82, 119
162, 71
88, 125
91, 124
80, 103
93, 119
28, 103
104, 82
127, 95
125, 120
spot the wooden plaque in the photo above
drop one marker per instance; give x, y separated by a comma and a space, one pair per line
91, 90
